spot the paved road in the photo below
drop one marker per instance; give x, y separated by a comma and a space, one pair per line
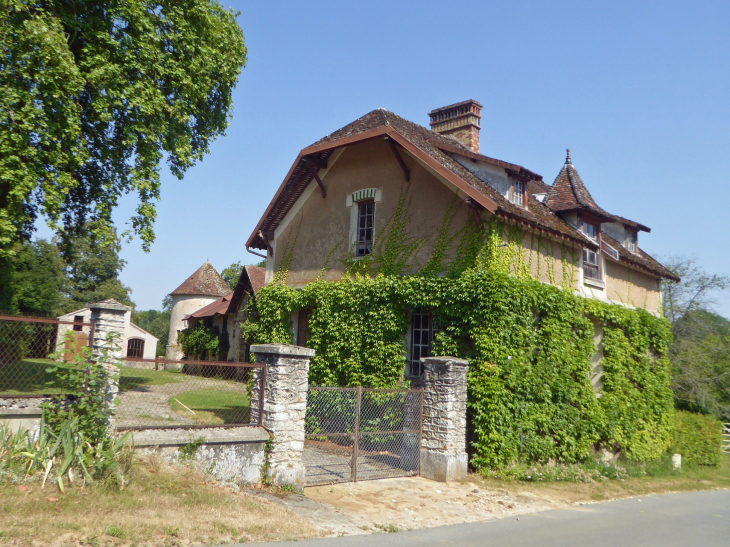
690, 519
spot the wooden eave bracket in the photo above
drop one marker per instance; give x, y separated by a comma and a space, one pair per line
266, 237
475, 209
396, 153
314, 165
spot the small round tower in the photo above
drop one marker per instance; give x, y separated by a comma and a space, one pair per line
200, 289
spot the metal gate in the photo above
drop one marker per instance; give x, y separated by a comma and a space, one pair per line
362, 433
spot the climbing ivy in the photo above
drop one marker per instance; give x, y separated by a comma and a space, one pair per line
530, 345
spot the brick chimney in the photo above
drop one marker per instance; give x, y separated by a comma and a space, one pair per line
461, 121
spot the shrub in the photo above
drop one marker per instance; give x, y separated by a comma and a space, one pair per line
698, 438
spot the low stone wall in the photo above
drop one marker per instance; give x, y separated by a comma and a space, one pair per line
230, 454
25, 413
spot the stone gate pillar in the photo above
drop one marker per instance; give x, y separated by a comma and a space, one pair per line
284, 407
109, 319
443, 444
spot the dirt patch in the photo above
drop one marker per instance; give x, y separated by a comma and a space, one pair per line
412, 503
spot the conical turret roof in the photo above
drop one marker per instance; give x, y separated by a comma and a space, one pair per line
206, 281
569, 193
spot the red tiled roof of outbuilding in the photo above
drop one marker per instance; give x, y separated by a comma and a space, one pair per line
206, 281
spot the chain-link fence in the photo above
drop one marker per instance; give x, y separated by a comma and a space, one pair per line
152, 393
161, 394
25, 346
359, 434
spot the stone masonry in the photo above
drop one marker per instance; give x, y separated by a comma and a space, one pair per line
443, 444
108, 320
284, 408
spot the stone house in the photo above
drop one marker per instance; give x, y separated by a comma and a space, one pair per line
203, 287
135, 341
343, 190
224, 314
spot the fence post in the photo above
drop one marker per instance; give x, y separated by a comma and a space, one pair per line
281, 410
443, 443
107, 333
356, 432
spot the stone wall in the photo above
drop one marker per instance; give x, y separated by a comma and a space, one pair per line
230, 454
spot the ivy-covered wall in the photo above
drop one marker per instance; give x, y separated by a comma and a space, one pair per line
531, 345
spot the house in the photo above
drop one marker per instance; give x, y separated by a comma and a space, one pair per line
224, 314
343, 190
135, 342
203, 287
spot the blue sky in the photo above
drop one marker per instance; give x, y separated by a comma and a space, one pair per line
637, 90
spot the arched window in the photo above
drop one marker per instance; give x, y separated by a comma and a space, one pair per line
135, 348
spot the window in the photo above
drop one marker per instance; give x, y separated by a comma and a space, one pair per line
590, 230
631, 241
135, 348
365, 224
518, 193
78, 320
591, 269
421, 338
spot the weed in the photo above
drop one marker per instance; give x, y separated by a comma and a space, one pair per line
288, 489
116, 532
172, 531
389, 528
188, 451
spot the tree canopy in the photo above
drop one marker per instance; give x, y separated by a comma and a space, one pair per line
94, 94
40, 280
700, 354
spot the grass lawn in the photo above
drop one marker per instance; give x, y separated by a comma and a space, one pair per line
658, 481
163, 505
29, 377
213, 406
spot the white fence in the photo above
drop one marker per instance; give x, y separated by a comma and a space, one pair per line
726, 438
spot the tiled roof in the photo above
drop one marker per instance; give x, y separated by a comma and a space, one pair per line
206, 281
251, 280
217, 307
256, 277
568, 193
639, 258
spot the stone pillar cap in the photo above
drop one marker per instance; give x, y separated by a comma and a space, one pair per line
110, 304
282, 349
446, 359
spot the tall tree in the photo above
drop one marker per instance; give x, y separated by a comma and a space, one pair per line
231, 274
700, 353
33, 281
92, 273
94, 94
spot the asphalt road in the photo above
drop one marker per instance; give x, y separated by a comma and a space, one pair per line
688, 519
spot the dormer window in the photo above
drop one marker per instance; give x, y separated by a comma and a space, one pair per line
518, 193
591, 268
590, 230
631, 240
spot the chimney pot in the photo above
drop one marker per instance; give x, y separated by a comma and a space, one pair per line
460, 121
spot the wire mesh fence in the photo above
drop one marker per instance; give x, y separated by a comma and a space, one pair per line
25, 346
360, 434
162, 394
152, 393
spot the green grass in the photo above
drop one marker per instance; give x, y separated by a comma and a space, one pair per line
29, 377
130, 378
213, 407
